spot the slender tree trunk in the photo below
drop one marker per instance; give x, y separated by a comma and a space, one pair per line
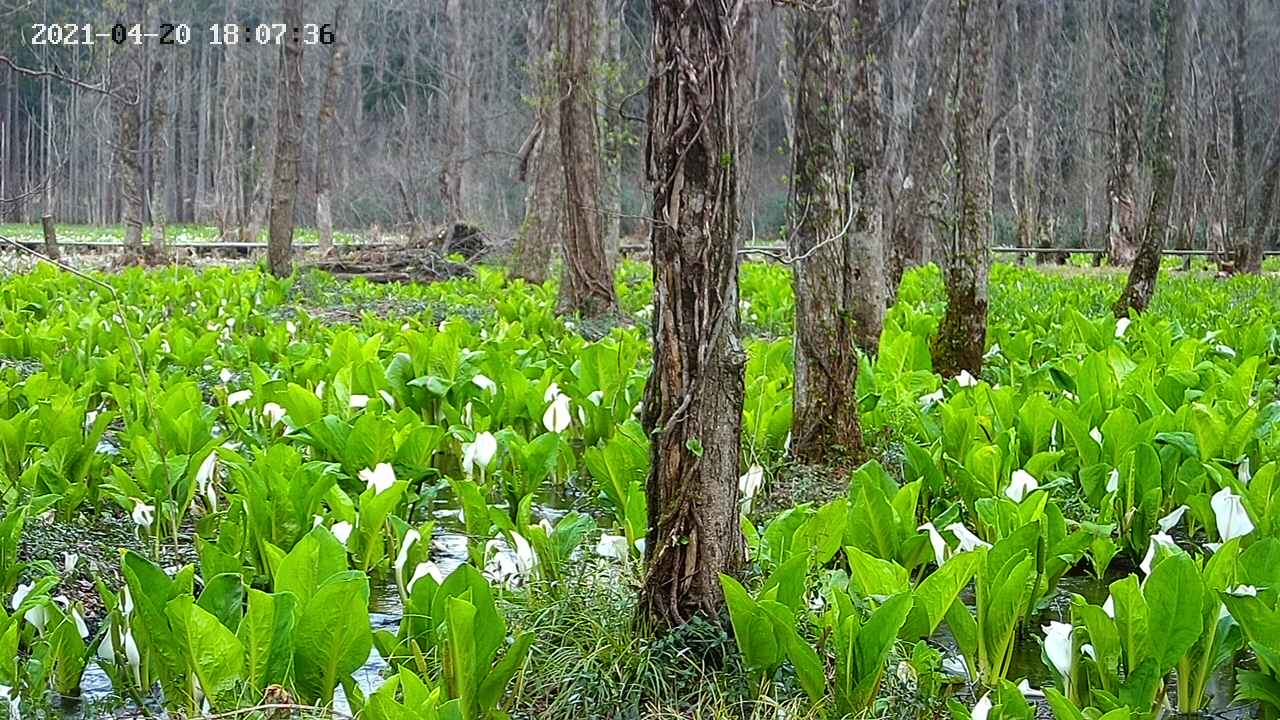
1248, 245
586, 283
128, 106
454, 188
1146, 266
284, 184
966, 254
325, 123
539, 165
693, 401
1122, 226
157, 115
50, 237
825, 271
866, 294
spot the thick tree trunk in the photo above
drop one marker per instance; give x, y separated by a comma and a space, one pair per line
454, 188
693, 401
1146, 266
866, 249
586, 282
966, 254
540, 166
827, 288
284, 181
128, 104
1248, 245
326, 120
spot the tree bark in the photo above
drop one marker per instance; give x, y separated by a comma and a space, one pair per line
325, 126
127, 99
966, 254
1122, 225
540, 163
284, 181
586, 282
1146, 266
1248, 245
825, 271
693, 400
454, 188
50, 237
866, 295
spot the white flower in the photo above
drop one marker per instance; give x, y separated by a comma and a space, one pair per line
1057, 647
1096, 434
81, 627
273, 413
1022, 484
1225, 350
238, 397
1232, 519
1170, 521
939, 544
205, 472
380, 478
126, 602
1242, 471
556, 418
14, 700
342, 531
424, 569
551, 392
1243, 591
69, 561
982, 708
37, 616
132, 656
613, 547
320, 389
1027, 691
1087, 649
750, 483
143, 514
931, 398
402, 558
1109, 607
290, 327
968, 541
964, 379
1113, 481
226, 376
106, 648
596, 397
484, 383
994, 351
480, 452
526, 558
1121, 325
1157, 541
386, 398
359, 401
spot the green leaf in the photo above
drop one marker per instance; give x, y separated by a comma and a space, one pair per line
213, 652
266, 632
1174, 595
316, 558
333, 637
936, 593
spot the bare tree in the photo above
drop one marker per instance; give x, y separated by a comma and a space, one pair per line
325, 122
284, 182
1146, 266
539, 156
454, 186
1122, 228
586, 283
693, 401
127, 98
966, 255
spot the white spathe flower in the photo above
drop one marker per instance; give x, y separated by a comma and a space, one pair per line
965, 379
126, 602
205, 472
1057, 647
1153, 547
613, 547
939, 544
1027, 691
78, 619
596, 397
994, 351
931, 398
982, 708
484, 383
387, 398
1232, 519
1096, 434
239, 396
424, 569
107, 648
1121, 325
750, 483
342, 531
1087, 649
402, 558
1170, 521
526, 558
551, 392
143, 514
273, 413
1243, 591
290, 327
132, 656
226, 376
320, 389
480, 452
359, 401
556, 418
1113, 480
380, 478
1022, 485
1109, 607
968, 541
1225, 350
69, 562
37, 616
14, 700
